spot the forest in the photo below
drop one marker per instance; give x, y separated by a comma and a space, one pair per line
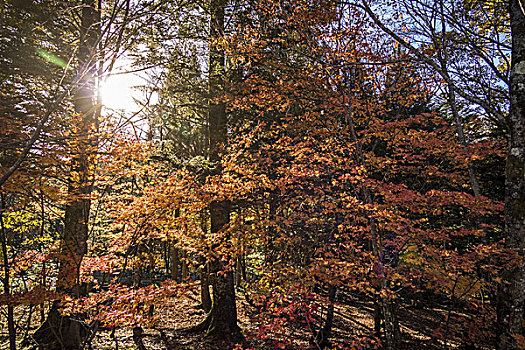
266, 174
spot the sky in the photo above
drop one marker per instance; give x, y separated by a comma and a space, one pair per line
118, 92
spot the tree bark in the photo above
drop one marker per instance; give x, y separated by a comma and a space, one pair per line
58, 331
74, 242
221, 322
137, 276
205, 289
184, 267
6, 279
138, 334
238, 273
175, 256
511, 297
391, 326
174, 264
322, 339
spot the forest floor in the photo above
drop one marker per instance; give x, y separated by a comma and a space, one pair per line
353, 329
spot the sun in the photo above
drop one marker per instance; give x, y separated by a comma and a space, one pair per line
118, 91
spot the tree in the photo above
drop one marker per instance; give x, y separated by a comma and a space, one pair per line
350, 171
511, 302
221, 322
33, 95
59, 330
484, 32
338, 166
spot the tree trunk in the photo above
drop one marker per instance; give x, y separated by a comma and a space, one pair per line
243, 267
222, 319
184, 267
221, 322
6, 279
205, 289
175, 256
238, 273
60, 331
323, 336
137, 276
391, 326
511, 297
138, 334
377, 318
166, 254
174, 264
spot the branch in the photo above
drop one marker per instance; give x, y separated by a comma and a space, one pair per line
429, 61
33, 138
